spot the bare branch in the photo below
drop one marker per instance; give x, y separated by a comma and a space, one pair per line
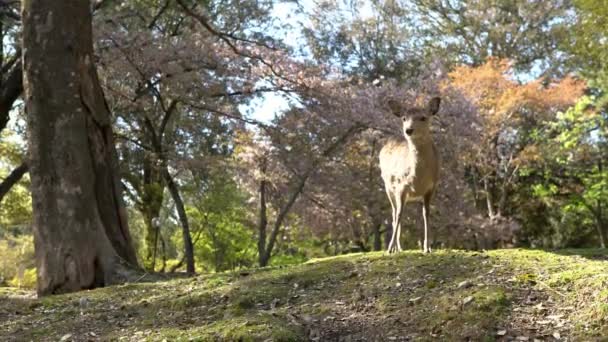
12, 179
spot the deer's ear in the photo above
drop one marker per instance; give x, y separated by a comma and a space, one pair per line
394, 106
433, 106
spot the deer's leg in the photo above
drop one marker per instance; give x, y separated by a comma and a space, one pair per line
400, 201
391, 199
426, 208
398, 238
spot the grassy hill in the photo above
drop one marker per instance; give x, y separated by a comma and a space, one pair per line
500, 295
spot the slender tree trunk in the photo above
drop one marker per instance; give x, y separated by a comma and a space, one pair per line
183, 218
377, 237
278, 223
163, 249
299, 188
502, 201
151, 242
489, 202
263, 222
599, 221
81, 236
387, 235
601, 227
12, 179
150, 206
601, 235
152, 194
475, 188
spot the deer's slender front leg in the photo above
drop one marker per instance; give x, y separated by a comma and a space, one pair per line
394, 226
425, 215
396, 244
403, 199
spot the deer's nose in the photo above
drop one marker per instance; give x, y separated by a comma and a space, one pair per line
409, 131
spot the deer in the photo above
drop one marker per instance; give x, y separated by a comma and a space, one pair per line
410, 167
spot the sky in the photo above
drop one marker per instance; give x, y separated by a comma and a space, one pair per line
268, 106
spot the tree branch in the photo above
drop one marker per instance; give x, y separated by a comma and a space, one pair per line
10, 92
299, 187
12, 179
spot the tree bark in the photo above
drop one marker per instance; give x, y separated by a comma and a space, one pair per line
278, 223
10, 92
600, 212
600, 232
183, 218
489, 202
81, 236
377, 237
599, 220
152, 194
263, 223
12, 179
387, 235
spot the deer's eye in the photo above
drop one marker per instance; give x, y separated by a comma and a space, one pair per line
423, 118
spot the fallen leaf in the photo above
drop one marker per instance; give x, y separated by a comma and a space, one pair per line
415, 299
464, 284
467, 300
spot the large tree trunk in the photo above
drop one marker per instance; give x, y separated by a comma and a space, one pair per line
81, 235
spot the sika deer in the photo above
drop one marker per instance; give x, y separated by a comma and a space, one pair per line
410, 167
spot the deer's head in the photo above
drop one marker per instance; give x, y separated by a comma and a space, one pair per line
416, 120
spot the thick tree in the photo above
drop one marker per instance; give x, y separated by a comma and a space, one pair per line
80, 232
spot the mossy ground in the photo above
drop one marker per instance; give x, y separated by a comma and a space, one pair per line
446, 296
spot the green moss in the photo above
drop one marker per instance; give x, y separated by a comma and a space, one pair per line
526, 278
491, 299
276, 303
